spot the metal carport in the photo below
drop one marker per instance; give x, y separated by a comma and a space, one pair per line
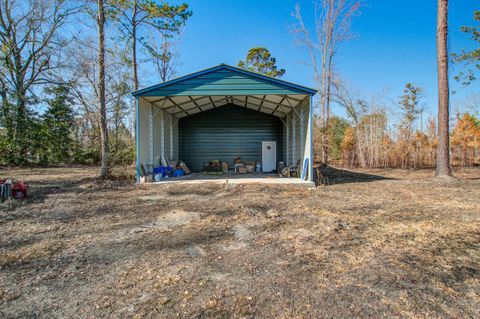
168, 112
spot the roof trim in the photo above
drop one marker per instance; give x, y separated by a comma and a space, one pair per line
304, 89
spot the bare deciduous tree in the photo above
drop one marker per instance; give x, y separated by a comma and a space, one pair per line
162, 49
29, 38
332, 26
355, 109
83, 77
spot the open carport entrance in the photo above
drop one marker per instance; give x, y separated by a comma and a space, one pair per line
222, 113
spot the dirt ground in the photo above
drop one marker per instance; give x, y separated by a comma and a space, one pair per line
371, 244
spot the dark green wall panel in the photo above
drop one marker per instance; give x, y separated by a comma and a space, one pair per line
225, 133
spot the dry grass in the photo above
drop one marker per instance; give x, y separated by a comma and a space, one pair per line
30, 252
388, 244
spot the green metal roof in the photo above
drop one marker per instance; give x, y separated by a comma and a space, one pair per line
224, 80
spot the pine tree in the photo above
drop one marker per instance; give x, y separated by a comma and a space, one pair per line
58, 121
409, 104
135, 15
469, 58
443, 149
260, 60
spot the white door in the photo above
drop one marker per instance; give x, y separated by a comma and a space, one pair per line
269, 156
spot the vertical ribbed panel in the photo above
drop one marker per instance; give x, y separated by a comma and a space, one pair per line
297, 128
175, 139
225, 133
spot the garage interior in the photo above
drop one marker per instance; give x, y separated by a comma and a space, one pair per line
224, 113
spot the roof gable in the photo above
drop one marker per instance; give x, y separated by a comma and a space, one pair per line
223, 80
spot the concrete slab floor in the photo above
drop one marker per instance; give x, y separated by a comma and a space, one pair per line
255, 178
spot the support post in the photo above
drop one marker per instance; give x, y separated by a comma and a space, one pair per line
306, 142
310, 139
150, 136
302, 135
171, 137
137, 141
162, 136
294, 140
287, 143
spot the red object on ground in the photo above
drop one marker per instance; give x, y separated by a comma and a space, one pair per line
19, 190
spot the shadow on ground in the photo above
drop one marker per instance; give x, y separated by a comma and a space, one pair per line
327, 175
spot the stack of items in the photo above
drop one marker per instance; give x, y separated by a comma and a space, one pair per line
289, 171
225, 167
250, 166
174, 169
181, 169
239, 166
243, 167
164, 171
184, 167
214, 167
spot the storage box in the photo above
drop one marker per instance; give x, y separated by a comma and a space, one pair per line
250, 168
242, 170
236, 167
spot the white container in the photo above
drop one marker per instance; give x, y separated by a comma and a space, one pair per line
269, 156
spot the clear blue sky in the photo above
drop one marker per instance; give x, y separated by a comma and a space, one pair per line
394, 41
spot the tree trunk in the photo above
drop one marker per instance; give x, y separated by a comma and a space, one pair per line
134, 46
443, 151
323, 120
135, 67
101, 90
326, 145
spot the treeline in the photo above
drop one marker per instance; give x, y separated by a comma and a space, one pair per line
372, 145
59, 84
369, 139
64, 134
67, 69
